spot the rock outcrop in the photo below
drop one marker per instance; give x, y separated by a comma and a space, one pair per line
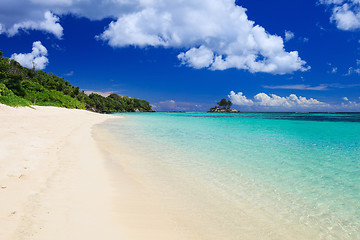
222, 110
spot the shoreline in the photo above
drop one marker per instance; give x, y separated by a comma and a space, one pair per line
54, 184
74, 174
57, 182
196, 209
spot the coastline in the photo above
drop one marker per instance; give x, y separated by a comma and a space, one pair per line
74, 174
57, 182
164, 191
54, 184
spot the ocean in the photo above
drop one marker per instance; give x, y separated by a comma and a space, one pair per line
248, 175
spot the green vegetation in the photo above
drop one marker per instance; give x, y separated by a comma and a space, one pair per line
9, 98
20, 86
225, 103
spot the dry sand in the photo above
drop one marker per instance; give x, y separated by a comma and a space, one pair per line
56, 183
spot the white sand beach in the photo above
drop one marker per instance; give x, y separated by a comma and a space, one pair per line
55, 182
64, 177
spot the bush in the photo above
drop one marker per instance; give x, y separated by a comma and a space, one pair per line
4, 91
53, 98
9, 98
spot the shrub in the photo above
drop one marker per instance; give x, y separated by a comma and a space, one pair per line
9, 98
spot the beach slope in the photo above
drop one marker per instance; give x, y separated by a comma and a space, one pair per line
53, 180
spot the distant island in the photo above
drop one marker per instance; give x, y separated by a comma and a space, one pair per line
21, 86
224, 106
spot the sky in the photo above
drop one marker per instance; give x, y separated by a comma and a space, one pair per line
188, 54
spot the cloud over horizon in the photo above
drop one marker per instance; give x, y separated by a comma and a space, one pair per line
275, 102
214, 34
172, 105
271, 102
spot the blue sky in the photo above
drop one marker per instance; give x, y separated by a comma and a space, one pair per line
186, 55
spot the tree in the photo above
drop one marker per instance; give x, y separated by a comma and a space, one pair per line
223, 103
229, 104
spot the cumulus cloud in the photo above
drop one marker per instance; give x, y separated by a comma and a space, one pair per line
292, 100
197, 57
48, 24
43, 14
289, 35
275, 102
217, 34
214, 34
345, 13
272, 102
37, 58
240, 99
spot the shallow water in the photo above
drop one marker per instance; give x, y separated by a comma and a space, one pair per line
226, 175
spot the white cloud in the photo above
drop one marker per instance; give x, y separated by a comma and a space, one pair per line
197, 57
36, 58
320, 87
292, 100
333, 68
240, 99
272, 102
48, 24
349, 105
352, 70
215, 34
289, 35
345, 13
305, 39
275, 102
21, 14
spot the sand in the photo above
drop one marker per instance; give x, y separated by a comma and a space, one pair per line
56, 183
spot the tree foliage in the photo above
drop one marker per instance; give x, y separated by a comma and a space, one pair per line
225, 103
9, 98
47, 89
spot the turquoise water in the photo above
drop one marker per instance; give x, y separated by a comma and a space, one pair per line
301, 169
